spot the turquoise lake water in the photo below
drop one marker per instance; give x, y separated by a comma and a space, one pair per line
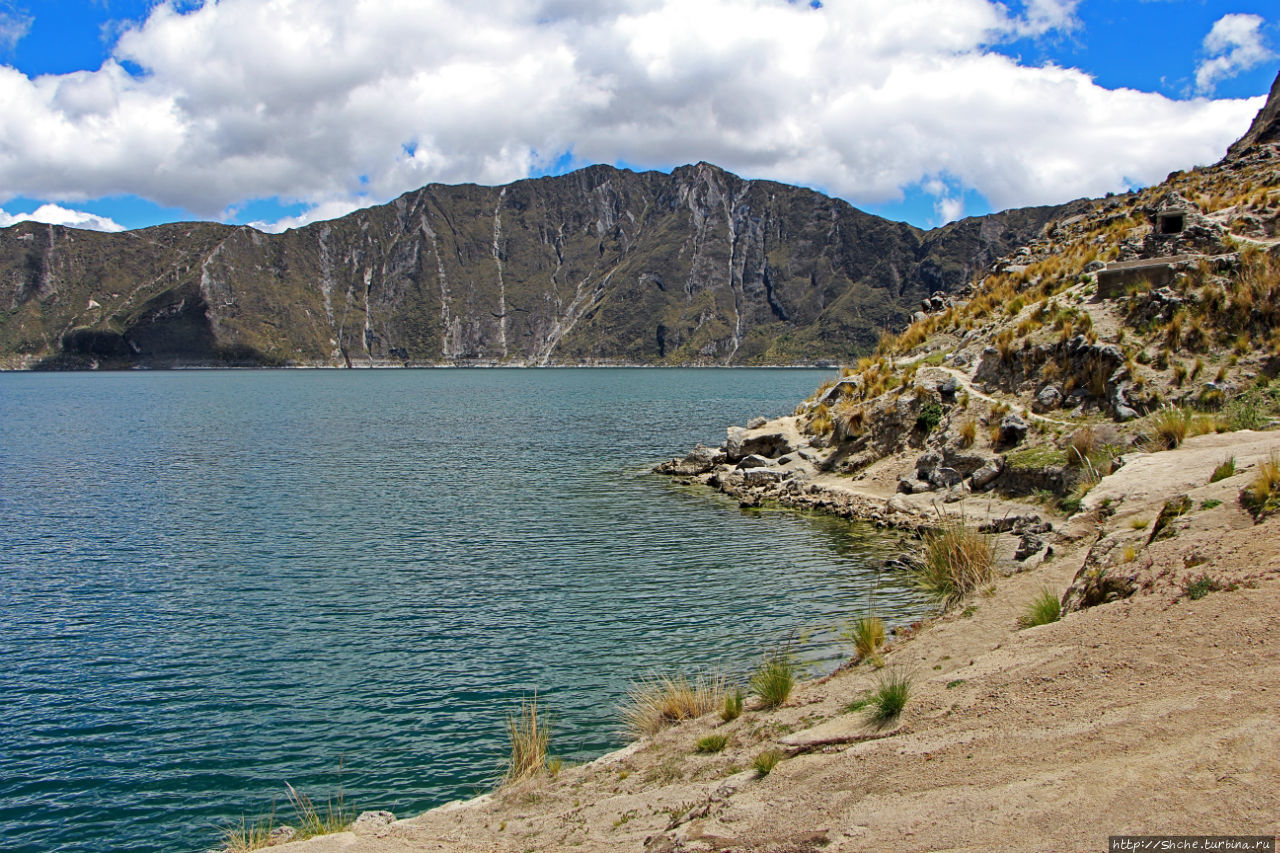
216, 582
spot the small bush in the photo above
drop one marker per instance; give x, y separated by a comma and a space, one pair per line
1042, 610
657, 701
766, 761
930, 416
712, 743
1262, 497
773, 679
953, 561
529, 731
867, 634
889, 698
1226, 468
732, 708
1198, 588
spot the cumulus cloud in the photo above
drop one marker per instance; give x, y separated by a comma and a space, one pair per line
52, 214
14, 25
1233, 45
336, 105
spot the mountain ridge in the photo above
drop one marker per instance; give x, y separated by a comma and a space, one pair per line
599, 266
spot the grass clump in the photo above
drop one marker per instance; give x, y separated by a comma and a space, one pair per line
1197, 588
1042, 610
732, 708
336, 817
712, 743
764, 763
867, 634
658, 701
529, 731
1262, 496
1226, 468
968, 432
244, 837
953, 561
773, 679
1168, 427
889, 698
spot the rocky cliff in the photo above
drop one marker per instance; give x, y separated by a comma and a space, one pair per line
599, 266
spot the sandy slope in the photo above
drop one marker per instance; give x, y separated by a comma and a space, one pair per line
1156, 715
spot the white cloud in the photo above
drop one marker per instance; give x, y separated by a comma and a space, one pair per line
1233, 45
338, 105
14, 26
53, 214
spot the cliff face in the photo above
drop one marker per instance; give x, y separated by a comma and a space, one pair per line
1265, 127
601, 265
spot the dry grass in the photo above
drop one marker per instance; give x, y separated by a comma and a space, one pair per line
953, 561
529, 731
1262, 496
658, 701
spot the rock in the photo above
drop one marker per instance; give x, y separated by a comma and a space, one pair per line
919, 317
1094, 266
1029, 544
281, 835
986, 475
753, 461
740, 443
1016, 523
945, 478
1013, 430
762, 476
960, 359
1050, 397
912, 486
701, 460
373, 823
896, 504
842, 388
927, 463
948, 387
757, 422
1123, 413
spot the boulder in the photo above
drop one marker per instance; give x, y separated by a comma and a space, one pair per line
701, 460
1013, 430
757, 422
1029, 544
948, 388
944, 477
740, 443
986, 475
762, 476
376, 823
753, 461
1049, 398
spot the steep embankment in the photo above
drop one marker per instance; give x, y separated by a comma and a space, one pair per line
599, 266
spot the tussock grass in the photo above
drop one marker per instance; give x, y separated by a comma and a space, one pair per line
1041, 610
529, 731
889, 698
244, 837
337, 816
712, 743
773, 679
867, 634
766, 761
968, 432
953, 561
1168, 428
1226, 468
658, 701
1262, 496
732, 708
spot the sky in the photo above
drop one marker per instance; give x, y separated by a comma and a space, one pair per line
120, 114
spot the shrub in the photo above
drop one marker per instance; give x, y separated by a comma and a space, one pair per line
953, 561
713, 743
657, 701
930, 416
1226, 468
867, 634
732, 708
889, 697
1042, 610
529, 731
1262, 496
773, 679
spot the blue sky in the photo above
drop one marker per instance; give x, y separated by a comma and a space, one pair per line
128, 113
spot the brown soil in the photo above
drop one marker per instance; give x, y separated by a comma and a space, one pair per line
1156, 714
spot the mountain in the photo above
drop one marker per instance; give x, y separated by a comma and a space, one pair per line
599, 266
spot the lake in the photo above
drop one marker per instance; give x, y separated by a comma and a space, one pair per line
217, 582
